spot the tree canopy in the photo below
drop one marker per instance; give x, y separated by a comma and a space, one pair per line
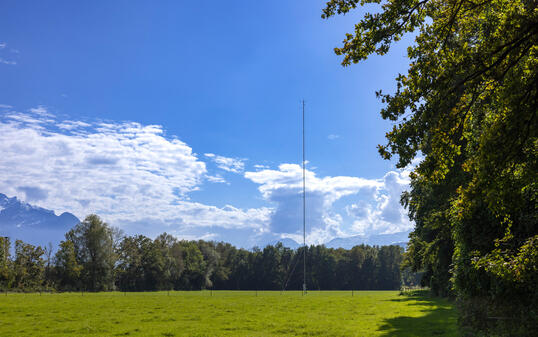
97, 257
467, 108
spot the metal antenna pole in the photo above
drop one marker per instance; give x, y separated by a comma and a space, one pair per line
304, 212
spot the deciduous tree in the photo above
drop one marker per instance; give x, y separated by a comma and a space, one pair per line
28, 266
468, 105
94, 243
68, 270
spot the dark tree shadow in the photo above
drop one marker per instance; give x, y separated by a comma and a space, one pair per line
439, 319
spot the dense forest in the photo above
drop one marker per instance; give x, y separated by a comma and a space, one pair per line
97, 257
466, 112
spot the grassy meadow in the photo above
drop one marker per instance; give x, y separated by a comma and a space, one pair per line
227, 313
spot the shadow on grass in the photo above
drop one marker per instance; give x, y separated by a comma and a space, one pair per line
439, 318
420, 297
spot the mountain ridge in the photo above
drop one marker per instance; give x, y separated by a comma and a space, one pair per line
399, 239
33, 224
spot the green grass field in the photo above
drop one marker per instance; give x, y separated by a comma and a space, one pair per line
227, 313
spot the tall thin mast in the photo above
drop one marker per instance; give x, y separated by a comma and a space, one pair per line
304, 212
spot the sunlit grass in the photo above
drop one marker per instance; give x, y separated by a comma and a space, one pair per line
227, 313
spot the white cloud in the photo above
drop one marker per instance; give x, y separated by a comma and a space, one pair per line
284, 188
136, 178
378, 212
216, 178
33, 193
3, 45
8, 62
36, 118
190, 237
33, 121
333, 137
260, 167
126, 172
235, 165
385, 214
289, 177
71, 125
5, 106
42, 111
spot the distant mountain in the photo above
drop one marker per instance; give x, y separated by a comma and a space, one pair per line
401, 244
286, 242
400, 239
32, 224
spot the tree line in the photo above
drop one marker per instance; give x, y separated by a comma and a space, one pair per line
467, 108
97, 257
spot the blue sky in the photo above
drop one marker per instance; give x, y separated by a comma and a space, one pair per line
185, 117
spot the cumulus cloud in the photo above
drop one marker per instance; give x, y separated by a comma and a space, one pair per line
137, 178
235, 165
283, 187
378, 212
333, 137
126, 172
386, 214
